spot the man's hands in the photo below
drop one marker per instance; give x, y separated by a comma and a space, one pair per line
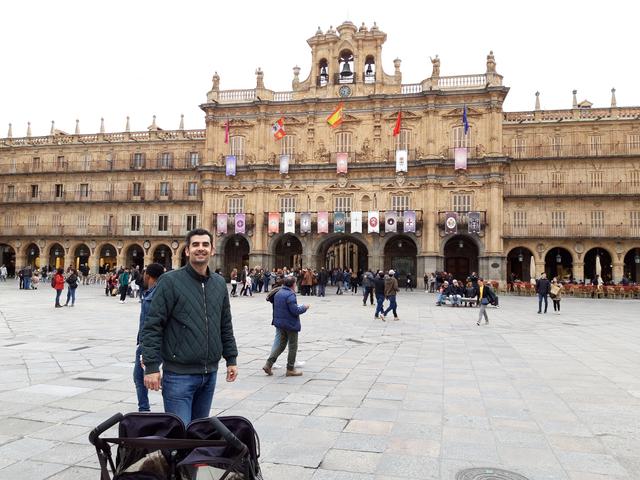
307, 307
232, 373
152, 381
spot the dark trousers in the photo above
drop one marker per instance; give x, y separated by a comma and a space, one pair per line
540, 298
284, 338
556, 305
368, 292
123, 292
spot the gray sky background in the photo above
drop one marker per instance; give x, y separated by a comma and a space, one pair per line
86, 59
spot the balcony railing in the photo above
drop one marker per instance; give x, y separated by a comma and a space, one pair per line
549, 189
101, 196
572, 114
571, 231
89, 231
463, 220
572, 151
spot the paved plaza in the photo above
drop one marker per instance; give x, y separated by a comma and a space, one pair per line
547, 396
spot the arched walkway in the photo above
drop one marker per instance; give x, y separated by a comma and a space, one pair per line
8, 258
591, 265
632, 265
33, 255
343, 251
519, 265
56, 256
183, 256
162, 255
401, 255
236, 254
461, 257
81, 256
558, 262
107, 258
135, 256
288, 252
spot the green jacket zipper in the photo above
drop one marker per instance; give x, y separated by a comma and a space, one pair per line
206, 327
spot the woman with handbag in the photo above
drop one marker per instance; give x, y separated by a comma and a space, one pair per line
485, 295
556, 294
234, 282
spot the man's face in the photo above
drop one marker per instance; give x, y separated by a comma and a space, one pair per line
199, 250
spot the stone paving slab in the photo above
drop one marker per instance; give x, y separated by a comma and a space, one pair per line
552, 397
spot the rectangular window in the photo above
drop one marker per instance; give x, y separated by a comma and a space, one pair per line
192, 189
11, 192
519, 147
400, 202
194, 159
461, 202
519, 180
237, 149
8, 221
634, 221
83, 221
595, 144
61, 163
634, 178
288, 145
163, 223
341, 204
137, 189
633, 143
287, 204
164, 189
192, 222
36, 165
556, 146
59, 190
138, 160
84, 190
520, 219
403, 140
32, 221
165, 160
460, 140
35, 191
343, 142
558, 220
595, 179
597, 222
56, 220
86, 162
109, 161
557, 179
135, 223
235, 205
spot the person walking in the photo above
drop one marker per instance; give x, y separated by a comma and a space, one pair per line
485, 296
408, 283
57, 282
378, 286
339, 280
323, 279
555, 292
150, 278
72, 285
234, 282
286, 319
367, 286
543, 287
123, 281
3, 273
390, 292
188, 330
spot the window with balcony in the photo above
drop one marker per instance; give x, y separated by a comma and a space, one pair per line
59, 191
634, 222
194, 159
400, 203
558, 220
287, 204
35, 191
56, 221
166, 159
191, 222
84, 190
32, 221
36, 164
61, 163
237, 148
633, 143
137, 160
597, 222
634, 178
342, 204
83, 221
461, 202
519, 180
163, 223
595, 144
288, 145
403, 140
7, 221
518, 146
557, 179
164, 189
235, 205
192, 189
11, 192
136, 191
520, 219
85, 162
459, 139
595, 179
557, 144
135, 223
343, 142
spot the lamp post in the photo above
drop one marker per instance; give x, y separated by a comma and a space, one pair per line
558, 257
520, 257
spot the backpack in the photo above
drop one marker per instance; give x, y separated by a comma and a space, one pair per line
53, 282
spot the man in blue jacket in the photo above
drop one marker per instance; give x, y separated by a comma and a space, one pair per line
286, 318
150, 278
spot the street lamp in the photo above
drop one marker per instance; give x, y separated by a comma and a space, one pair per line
288, 243
32, 252
460, 243
56, 252
399, 243
520, 257
236, 242
558, 257
636, 259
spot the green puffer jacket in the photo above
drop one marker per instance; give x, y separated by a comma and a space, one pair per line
188, 328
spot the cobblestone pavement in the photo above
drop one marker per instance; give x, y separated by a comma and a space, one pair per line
547, 396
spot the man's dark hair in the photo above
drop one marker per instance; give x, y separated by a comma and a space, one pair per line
198, 231
154, 270
289, 281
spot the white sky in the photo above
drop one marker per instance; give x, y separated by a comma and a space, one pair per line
87, 59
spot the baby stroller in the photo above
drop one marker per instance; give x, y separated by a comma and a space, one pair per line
157, 446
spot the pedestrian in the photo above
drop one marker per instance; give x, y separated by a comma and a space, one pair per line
339, 280
3, 273
543, 288
234, 282
286, 319
485, 296
57, 282
367, 286
323, 279
390, 292
555, 292
408, 283
187, 330
72, 285
378, 286
149, 280
123, 281
307, 281
354, 282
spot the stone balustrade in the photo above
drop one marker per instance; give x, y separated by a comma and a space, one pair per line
93, 138
575, 114
459, 82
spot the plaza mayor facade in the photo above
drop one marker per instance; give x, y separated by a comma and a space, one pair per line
417, 177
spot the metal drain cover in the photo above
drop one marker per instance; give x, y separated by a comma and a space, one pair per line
488, 474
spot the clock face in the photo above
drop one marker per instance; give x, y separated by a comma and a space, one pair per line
345, 91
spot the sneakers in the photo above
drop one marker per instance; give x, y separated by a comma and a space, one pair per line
267, 369
294, 373
382, 318
396, 319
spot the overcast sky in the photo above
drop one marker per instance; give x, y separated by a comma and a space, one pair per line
65, 60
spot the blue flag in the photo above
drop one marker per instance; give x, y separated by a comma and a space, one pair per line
465, 122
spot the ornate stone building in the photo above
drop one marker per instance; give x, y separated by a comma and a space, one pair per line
555, 190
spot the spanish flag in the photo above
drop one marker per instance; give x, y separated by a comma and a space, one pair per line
335, 119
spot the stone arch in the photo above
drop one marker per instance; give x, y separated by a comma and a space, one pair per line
287, 250
632, 265
107, 255
606, 264
8, 258
236, 251
519, 264
461, 255
32, 253
56, 255
562, 269
163, 255
134, 256
401, 255
80, 254
340, 250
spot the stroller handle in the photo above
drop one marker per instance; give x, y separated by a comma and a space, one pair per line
227, 434
104, 426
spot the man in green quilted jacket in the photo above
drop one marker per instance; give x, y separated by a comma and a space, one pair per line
188, 330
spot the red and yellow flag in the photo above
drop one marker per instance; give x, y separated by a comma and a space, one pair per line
278, 129
396, 129
335, 118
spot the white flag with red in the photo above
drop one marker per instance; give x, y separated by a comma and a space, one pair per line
278, 129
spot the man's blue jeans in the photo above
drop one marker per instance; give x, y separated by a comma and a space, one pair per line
321, 289
188, 396
138, 380
392, 306
26, 283
540, 297
380, 303
71, 295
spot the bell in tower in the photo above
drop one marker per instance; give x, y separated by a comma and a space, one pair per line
346, 57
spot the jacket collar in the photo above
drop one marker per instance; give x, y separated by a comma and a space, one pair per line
196, 275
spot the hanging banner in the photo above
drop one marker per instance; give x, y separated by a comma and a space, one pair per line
474, 222
240, 221
390, 221
410, 221
289, 222
323, 222
356, 222
274, 222
305, 223
338, 222
342, 162
460, 155
374, 222
451, 223
221, 224
230, 162
284, 164
401, 160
